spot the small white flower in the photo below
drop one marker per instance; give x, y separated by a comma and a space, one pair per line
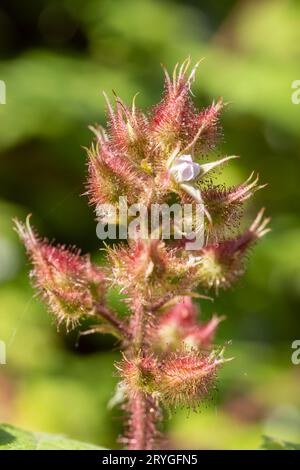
184, 169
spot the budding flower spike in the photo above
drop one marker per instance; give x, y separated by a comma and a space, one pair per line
169, 357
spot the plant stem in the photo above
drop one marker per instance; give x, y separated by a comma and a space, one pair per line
144, 414
113, 320
138, 434
142, 409
138, 327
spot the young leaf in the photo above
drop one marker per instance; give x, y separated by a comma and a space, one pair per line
270, 443
12, 438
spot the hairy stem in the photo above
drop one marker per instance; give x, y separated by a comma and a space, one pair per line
142, 409
108, 315
138, 327
143, 415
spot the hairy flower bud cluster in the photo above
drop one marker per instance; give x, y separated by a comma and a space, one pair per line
150, 269
179, 379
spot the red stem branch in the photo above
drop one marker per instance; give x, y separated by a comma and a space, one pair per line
113, 320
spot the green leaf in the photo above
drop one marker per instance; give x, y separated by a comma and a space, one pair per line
12, 438
269, 443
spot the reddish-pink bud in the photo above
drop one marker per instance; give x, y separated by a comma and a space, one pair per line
111, 176
185, 379
175, 120
178, 327
222, 263
225, 205
128, 130
69, 283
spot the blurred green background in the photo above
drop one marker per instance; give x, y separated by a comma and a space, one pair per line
55, 58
